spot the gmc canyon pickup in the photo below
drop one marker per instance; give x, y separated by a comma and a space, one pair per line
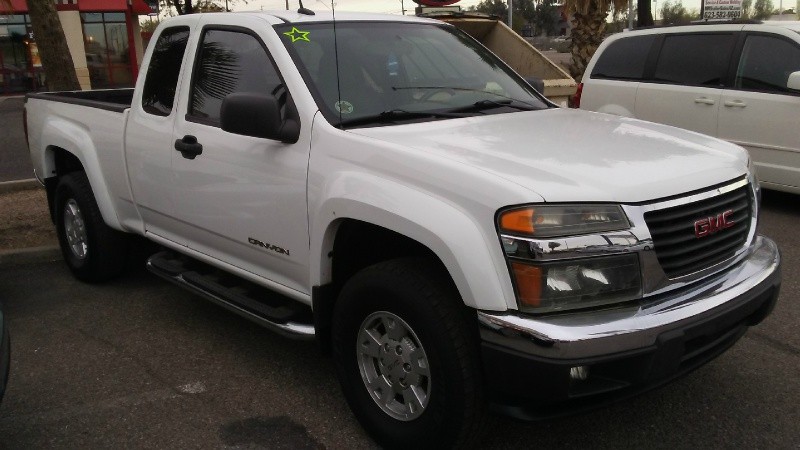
389, 187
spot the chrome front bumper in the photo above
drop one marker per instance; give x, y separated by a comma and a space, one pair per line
599, 333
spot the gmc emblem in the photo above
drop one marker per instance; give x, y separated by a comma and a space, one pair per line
710, 225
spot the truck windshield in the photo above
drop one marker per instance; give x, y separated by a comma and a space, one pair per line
394, 72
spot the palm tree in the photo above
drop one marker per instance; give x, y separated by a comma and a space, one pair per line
588, 26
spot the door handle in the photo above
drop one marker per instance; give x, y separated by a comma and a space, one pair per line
188, 146
704, 100
735, 103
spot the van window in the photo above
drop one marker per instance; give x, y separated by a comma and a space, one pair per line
694, 59
158, 95
624, 59
766, 64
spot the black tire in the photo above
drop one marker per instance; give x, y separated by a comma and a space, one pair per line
422, 296
105, 250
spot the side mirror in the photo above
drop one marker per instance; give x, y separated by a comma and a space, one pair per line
536, 83
794, 81
257, 115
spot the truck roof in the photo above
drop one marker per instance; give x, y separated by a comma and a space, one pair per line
327, 16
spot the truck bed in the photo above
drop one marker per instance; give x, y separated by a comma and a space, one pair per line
109, 99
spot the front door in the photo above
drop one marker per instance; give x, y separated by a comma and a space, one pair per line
686, 86
761, 113
241, 200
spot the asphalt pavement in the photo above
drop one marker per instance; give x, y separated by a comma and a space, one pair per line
15, 161
141, 363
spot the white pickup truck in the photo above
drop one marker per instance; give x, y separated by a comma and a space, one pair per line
387, 186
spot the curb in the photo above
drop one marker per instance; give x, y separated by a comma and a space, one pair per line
31, 255
19, 185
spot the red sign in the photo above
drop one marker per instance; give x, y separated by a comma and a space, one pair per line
710, 225
436, 2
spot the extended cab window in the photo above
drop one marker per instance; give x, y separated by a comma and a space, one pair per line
228, 62
158, 95
624, 59
766, 64
694, 59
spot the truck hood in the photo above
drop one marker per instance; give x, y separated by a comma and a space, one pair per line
569, 155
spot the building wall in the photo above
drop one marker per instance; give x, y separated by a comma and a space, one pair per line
73, 31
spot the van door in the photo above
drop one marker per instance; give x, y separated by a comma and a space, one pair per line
761, 114
685, 87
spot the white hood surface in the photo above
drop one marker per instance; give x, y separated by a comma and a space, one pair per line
567, 155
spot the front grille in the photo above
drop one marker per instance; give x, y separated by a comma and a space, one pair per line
680, 251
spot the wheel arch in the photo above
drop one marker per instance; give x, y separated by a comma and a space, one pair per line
70, 147
368, 235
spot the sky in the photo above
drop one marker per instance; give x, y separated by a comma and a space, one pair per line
394, 6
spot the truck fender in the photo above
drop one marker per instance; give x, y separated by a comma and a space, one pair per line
75, 139
478, 271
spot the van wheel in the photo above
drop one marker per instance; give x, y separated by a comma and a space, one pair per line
93, 251
406, 353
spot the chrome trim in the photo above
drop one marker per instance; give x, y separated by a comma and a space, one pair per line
294, 330
594, 333
638, 239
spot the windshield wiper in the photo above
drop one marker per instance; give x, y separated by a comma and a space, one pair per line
483, 105
453, 88
394, 115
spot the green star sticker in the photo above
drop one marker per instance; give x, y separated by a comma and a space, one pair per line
297, 35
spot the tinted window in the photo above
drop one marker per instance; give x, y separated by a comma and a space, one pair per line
369, 70
624, 58
229, 62
158, 96
694, 59
766, 64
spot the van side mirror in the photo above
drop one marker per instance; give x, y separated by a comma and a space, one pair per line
257, 115
794, 81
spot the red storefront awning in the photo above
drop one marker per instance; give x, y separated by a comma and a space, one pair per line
140, 7
102, 5
19, 6
137, 6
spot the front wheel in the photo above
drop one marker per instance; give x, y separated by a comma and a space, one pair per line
92, 250
406, 354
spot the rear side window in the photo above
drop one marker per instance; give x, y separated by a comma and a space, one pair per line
694, 59
766, 64
624, 59
158, 96
228, 62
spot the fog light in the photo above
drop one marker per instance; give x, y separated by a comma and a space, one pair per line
579, 373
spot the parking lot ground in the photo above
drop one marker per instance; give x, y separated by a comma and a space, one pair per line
140, 363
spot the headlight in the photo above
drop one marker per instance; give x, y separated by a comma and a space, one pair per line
544, 246
584, 283
562, 220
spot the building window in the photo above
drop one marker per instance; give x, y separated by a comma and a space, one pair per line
20, 67
105, 39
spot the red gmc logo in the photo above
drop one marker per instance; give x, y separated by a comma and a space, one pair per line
710, 225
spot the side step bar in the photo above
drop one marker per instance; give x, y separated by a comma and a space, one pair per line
251, 301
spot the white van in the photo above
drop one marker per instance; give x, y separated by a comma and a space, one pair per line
739, 82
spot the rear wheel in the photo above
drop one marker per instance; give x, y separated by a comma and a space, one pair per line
92, 250
406, 354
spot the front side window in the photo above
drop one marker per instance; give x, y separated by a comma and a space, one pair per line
766, 64
158, 96
379, 73
624, 59
228, 62
695, 59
